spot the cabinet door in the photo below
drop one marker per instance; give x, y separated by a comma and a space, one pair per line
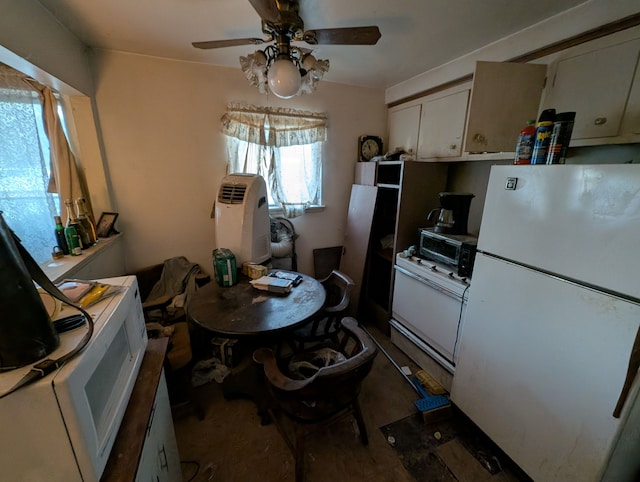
358, 229
404, 124
504, 95
160, 460
442, 125
631, 119
595, 85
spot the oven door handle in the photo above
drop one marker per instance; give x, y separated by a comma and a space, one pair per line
429, 283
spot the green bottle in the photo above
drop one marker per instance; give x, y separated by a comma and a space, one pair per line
71, 232
60, 237
86, 223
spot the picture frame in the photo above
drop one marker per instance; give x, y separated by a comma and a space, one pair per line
104, 228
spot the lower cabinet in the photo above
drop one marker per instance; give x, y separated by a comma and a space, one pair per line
160, 460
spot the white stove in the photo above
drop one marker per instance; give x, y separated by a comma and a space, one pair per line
434, 271
429, 303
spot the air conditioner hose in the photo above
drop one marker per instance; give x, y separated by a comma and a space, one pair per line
283, 247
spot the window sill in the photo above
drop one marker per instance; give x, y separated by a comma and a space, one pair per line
74, 266
311, 209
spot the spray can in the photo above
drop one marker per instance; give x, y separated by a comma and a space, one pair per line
560, 137
543, 136
524, 146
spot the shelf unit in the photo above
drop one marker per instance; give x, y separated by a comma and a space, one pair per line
407, 190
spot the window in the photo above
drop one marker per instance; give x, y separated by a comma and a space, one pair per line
27, 207
299, 174
282, 145
35, 161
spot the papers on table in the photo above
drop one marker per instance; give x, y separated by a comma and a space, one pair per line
275, 285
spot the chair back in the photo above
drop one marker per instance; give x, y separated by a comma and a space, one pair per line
338, 287
332, 388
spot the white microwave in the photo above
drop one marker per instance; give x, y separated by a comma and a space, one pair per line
62, 427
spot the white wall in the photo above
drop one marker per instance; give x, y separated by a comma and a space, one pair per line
34, 42
165, 155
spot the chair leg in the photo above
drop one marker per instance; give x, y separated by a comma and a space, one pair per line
299, 453
360, 421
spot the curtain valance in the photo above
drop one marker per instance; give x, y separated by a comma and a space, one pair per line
273, 126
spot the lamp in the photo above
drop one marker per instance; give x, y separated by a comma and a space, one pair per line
284, 78
285, 71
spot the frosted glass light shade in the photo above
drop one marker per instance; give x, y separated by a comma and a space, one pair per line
284, 78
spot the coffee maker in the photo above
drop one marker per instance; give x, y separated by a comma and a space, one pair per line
452, 215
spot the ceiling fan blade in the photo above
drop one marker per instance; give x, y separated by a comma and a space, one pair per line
342, 36
268, 10
216, 44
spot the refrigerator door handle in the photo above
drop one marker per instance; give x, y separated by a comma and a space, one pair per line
634, 365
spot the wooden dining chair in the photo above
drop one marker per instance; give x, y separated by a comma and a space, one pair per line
325, 326
330, 390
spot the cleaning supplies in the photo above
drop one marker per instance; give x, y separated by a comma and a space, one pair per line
543, 136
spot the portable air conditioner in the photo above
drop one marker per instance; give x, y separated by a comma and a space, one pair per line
242, 218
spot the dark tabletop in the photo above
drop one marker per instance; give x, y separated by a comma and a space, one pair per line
242, 310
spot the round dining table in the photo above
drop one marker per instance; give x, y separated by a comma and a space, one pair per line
242, 311
256, 318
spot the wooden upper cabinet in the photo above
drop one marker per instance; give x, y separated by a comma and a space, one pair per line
404, 124
631, 120
442, 125
503, 97
596, 85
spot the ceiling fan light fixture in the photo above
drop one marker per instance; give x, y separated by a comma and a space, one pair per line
284, 78
281, 68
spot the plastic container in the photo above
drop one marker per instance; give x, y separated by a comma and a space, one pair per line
543, 136
224, 267
560, 137
524, 146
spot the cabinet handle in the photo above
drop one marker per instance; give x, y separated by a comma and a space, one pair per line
162, 455
479, 138
600, 121
453, 146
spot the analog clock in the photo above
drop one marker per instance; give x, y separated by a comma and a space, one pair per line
369, 147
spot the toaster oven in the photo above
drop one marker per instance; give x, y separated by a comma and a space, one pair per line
457, 251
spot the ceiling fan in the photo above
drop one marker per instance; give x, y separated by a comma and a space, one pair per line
285, 69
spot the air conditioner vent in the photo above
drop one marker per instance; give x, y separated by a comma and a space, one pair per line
232, 193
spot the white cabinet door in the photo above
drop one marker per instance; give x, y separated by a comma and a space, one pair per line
504, 95
160, 460
596, 86
357, 232
631, 119
404, 124
442, 125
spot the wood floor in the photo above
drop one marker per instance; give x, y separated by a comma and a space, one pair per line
231, 445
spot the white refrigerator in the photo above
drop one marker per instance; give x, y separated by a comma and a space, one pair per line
551, 330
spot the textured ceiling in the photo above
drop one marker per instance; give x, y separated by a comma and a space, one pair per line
417, 35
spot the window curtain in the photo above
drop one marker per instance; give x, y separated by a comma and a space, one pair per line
38, 171
64, 177
24, 167
260, 136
